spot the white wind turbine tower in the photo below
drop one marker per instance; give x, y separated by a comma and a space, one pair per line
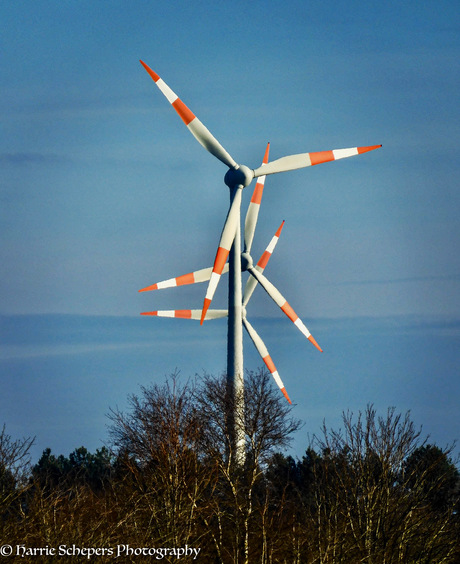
238, 177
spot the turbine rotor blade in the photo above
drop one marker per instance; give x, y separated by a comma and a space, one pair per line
293, 162
254, 207
198, 130
284, 305
262, 349
225, 244
188, 313
260, 266
202, 275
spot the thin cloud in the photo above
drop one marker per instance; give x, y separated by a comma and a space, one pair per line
396, 280
23, 352
19, 159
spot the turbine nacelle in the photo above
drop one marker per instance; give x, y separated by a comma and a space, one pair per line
241, 176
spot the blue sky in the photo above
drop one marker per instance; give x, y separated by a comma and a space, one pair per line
104, 191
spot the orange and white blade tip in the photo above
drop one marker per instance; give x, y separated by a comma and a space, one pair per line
286, 395
280, 228
149, 288
362, 150
153, 74
181, 313
206, 304
267, 151
313, 341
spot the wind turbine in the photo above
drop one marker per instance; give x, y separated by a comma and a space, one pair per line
204, 275
239, 176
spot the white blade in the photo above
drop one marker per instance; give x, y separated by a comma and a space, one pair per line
254, 207
225, 244
202, 275
260, 266
283, 304
302, 160
188, 313
260, 346
199, 131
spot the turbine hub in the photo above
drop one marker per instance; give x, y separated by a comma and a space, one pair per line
239, 176
246, 261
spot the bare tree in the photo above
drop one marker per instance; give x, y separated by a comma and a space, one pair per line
14, 467
240, 513
175, 444
158, 442
372, 503
15, 455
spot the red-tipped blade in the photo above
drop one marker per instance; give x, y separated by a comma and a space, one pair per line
198, 130
362, 150
260, 266
281, 302
293, 162
263, 261
188, 313
202, 275
153, 74
207, 303
262, 349
313, 341
254, 207
225, 244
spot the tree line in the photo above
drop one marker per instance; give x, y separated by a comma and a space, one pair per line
373, 492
